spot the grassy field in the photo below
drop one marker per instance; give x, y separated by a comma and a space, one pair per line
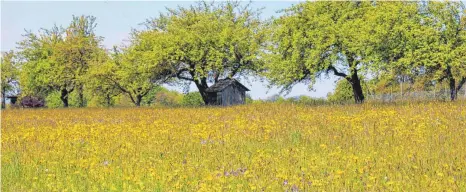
263, 147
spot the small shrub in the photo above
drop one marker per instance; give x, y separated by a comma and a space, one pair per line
53, 100
192, 99
32, 102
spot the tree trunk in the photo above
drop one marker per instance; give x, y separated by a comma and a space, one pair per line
81, 96
3, 98
460, 84
401, 87
202, 86
138, 100
453, 93
357, 88
452, 84
64, 97
108, 98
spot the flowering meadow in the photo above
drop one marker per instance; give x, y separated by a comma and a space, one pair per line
257, 147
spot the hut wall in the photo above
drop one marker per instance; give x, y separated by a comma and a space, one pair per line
219, 98
213, 98
232, 95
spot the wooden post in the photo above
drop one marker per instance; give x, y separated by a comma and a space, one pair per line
391, 93
464, 92
401, 87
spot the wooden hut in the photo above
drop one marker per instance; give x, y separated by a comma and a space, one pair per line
227, 92
13, 99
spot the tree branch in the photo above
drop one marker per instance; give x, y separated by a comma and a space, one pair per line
117, 84
145, 93
216, 76
131, 97
239, 58
235, 70
178, 75
335, 71
461, 83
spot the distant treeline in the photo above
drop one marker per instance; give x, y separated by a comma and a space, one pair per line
372, 46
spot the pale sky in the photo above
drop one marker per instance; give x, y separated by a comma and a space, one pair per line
115, 19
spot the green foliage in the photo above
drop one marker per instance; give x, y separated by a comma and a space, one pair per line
150, 98
302, 100
192, 99
101, 101
162, 96
342, 93
135, 70
101, 91
53, 100
281, 99
249, 99
306, 100
169, 98
258, 101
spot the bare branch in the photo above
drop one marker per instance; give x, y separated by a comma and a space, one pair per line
335, 71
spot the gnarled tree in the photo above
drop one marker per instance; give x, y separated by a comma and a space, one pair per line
210, 41
339, 38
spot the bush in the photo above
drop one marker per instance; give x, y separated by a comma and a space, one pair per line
304, 100
343, 92
101, 101
248, 99
311, 101
166, 97
32, 102
53, 100
151, 97
192, 99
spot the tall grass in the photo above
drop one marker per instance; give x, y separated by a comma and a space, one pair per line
270, 147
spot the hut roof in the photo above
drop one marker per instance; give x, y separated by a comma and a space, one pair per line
223, 83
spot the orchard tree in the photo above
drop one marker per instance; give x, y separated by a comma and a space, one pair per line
210, 41
339, 38
429, 46
39, 71
136, 69
9, 74
443, 50
97, 85
58, 58
80, 47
